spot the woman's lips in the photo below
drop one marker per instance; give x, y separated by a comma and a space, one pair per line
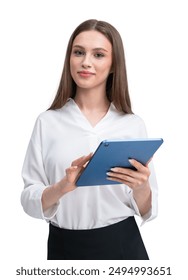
85, 73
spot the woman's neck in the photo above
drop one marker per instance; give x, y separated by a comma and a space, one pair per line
93, 106
92, 100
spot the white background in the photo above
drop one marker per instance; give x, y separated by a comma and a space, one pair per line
33, 40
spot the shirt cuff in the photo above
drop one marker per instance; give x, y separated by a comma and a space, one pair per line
150, 215
31, 200
51, 212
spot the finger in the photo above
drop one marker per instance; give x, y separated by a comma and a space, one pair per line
119, 177
128, 175
82, 160
139, 166
124, 171
118, 180
132, 182
71, 169
77, 161
72, 173
142, 169
87, 159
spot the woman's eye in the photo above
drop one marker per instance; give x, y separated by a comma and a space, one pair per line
78, 53
99, 55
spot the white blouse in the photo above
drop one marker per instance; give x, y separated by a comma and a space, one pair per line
59, 137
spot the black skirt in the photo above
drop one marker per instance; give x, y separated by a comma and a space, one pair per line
120, 241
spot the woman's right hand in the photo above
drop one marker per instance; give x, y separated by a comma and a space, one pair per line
74, 171
52, 194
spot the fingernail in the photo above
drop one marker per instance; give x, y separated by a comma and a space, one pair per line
75, 166
109, 178
113, 169
131, 161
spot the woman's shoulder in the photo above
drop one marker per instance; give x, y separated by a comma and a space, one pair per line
130, 122
134, 122
52, 113
132, 118
48, 114
126, 116
135, 118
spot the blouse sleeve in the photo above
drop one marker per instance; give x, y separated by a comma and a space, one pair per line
142, 133
152, 213
34, 177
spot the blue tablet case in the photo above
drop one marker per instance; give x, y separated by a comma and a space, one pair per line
116, 153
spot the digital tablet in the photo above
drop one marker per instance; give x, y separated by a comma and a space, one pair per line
116, 153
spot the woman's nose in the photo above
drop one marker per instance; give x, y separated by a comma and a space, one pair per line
86, 63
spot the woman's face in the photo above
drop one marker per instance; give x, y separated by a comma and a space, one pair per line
91, 60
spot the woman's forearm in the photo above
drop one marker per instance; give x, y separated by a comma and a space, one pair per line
142, 197
53, 193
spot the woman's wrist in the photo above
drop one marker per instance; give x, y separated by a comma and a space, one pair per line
142, 197
63, 186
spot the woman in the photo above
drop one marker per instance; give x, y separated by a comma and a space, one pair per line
92, 104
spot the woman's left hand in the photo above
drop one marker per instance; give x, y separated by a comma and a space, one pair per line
135, 179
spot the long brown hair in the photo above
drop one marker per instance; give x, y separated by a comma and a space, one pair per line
116, 86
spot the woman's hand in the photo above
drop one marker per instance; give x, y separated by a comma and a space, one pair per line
52, 194
73, 172
137, 180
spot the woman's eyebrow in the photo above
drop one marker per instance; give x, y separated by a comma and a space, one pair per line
78, 46
95, 49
